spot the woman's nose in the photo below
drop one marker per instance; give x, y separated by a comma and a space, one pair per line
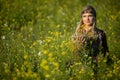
87, 18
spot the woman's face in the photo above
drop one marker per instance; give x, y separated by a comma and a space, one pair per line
88, 19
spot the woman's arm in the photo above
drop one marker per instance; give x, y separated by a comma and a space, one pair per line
104, 44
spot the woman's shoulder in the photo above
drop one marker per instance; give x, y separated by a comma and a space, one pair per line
100, 31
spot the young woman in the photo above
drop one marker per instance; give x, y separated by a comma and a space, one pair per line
88, 40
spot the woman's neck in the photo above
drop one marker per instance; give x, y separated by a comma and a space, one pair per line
88, 28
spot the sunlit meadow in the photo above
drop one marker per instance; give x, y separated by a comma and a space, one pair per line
35, 40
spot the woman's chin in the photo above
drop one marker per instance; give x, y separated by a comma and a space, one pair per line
88, 24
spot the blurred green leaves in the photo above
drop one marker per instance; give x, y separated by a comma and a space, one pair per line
29, 27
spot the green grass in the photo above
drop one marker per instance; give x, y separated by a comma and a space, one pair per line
35, 40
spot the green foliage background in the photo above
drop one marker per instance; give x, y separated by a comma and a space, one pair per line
29, 27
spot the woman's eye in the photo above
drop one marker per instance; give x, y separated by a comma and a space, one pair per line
90, 15
84, 16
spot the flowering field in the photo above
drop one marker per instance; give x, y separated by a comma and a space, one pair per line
35, 40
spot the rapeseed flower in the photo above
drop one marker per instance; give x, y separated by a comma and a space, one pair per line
50, 55
46, 67
25, 56
47, 75
56, 65
45, 52
43, 62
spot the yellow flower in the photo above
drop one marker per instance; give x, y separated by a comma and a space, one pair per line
14, 78
92, 74
56, 64
47, 75
34, 43
81, 71
48, 39
25, 56
53, 72
44, 62
58, 26
17, 72
45, 52
53, 78
109, 75
50, 54
78, 63
71, 78
57, 34
7, 70
34, 75
51, 59
46, 67
63, 53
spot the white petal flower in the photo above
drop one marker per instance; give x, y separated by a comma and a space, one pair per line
3, 37
39, 41
39, 53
